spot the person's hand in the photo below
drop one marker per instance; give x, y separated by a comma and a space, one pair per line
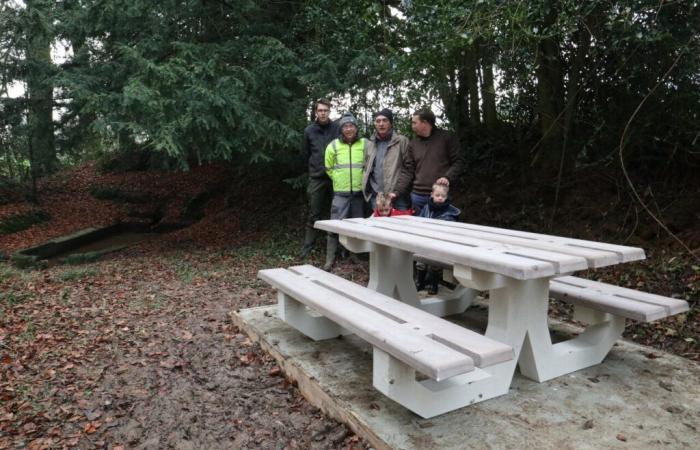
443, 181
392, 196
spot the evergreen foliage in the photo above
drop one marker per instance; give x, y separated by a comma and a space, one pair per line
549, 85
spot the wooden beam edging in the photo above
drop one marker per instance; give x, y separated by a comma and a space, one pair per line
309, 386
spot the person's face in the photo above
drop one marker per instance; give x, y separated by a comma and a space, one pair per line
420, 127
384, 210
439, 196
382, 125
323, 113
349, 131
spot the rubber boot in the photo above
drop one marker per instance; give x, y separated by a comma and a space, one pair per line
309, 240
435, 278
331, 248
420, 278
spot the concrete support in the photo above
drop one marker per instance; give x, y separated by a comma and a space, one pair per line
306, 320
518, 317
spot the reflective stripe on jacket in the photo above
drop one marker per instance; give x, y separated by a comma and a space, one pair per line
344, 165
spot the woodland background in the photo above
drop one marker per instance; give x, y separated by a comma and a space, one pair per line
576, 118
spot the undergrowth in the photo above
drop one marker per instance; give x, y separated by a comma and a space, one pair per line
22, 221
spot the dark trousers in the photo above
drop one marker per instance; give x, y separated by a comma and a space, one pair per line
320, 193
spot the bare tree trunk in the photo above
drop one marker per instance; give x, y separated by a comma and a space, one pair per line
470, 67
449, 95
578, 64
40, 87
550, 98
488, 94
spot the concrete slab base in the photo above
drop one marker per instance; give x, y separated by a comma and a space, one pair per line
637, 398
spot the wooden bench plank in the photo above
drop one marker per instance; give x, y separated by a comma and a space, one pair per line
484, 351
567, 245
628, 303
563, 263
420, 352
415, 347
490, 260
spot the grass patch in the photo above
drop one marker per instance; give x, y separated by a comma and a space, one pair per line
22, 221
7, 272
279, 248
77, 274
13, 298
186, 272
82, 258
153, 302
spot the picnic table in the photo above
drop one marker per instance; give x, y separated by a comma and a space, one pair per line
520, 271
516, 268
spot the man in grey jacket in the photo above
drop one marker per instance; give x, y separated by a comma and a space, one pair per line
320, 190
384, 156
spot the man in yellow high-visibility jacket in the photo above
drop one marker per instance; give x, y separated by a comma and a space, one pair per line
344, 158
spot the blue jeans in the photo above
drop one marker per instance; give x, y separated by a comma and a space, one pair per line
418, 202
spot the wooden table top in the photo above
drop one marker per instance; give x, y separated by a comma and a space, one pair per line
512, 253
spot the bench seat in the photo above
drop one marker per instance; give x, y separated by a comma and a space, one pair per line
628, 303
425, 363
435, 347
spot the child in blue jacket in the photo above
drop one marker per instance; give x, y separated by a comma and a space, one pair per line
438, 207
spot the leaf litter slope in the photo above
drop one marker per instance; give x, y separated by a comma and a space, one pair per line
136, 351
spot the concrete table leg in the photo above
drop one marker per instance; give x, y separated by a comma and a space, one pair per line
518, 317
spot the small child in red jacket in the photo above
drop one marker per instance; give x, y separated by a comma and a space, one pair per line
384, 208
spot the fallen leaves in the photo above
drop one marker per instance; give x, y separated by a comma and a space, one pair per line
91, 427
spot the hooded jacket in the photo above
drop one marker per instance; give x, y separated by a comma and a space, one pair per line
393, 162
343, 164
441, 212
316, 137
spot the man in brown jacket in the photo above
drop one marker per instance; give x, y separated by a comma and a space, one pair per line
433, 156
384, 155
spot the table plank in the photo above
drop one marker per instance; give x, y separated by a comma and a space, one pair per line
496, 259
564, 263
598, 254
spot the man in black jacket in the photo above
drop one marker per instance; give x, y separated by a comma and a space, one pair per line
320, 190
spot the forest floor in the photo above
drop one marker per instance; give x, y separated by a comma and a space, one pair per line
135, 350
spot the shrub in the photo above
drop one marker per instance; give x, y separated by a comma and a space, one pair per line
22, 221
115, 193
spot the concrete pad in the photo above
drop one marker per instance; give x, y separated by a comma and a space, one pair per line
637, 398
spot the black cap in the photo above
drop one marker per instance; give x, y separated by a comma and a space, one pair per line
386, 112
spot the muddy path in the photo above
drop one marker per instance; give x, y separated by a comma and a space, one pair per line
138, 352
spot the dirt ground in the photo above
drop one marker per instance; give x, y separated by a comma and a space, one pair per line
136, 350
